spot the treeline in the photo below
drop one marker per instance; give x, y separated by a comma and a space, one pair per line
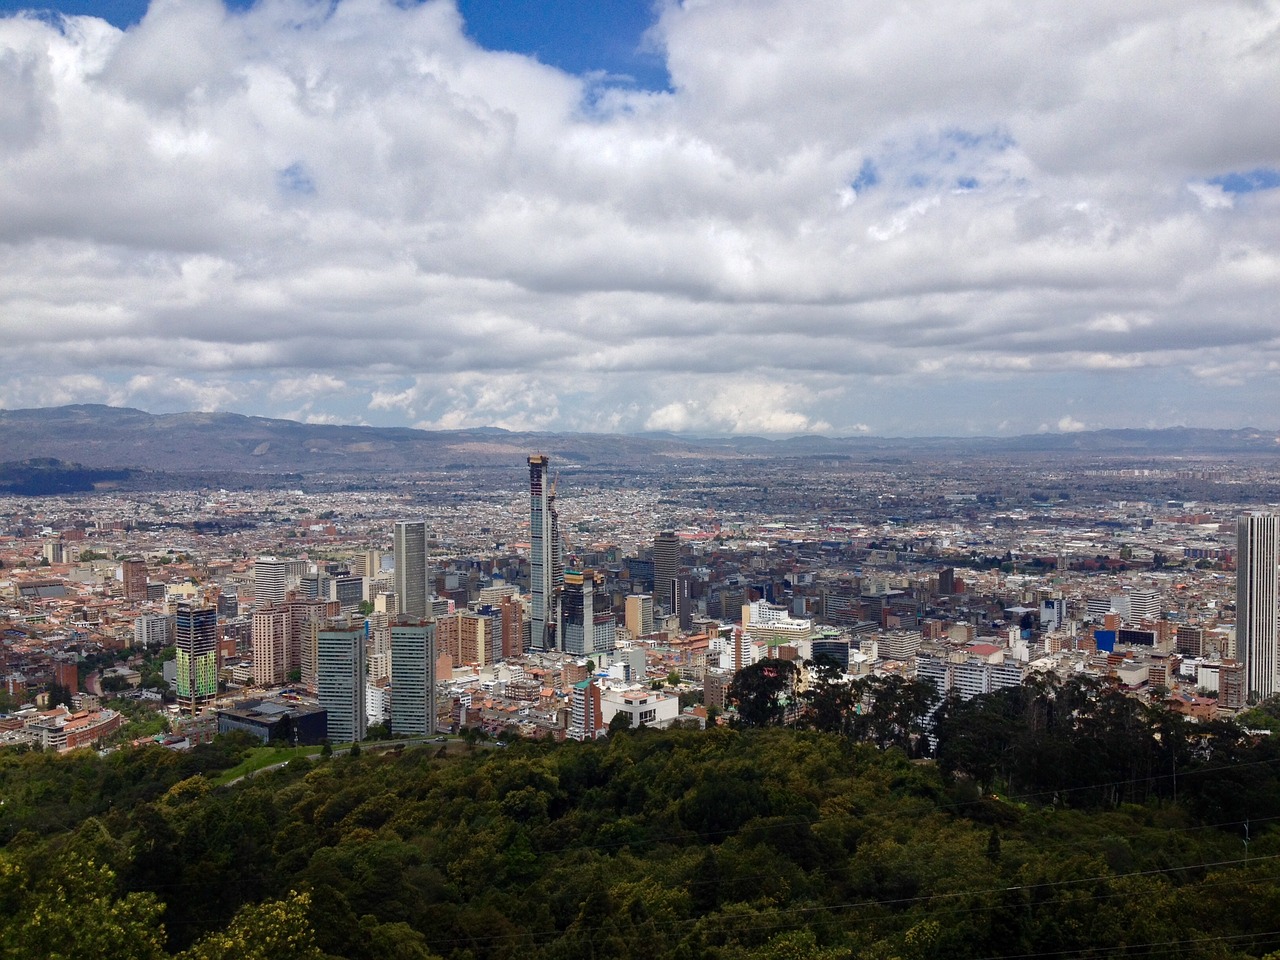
725, 844
1080, 742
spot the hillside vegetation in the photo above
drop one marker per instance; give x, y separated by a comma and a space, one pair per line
1123, 840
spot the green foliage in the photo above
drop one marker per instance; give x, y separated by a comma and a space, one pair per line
276, 930
761, 690
59, 695
721, 844
72, 912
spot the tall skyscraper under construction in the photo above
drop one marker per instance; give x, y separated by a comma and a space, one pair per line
546, 557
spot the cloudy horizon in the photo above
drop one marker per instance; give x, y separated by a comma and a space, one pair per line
752, 217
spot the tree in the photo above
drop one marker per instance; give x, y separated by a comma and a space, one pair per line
276, 930
830, 700
59, 695
620, 722
73, 913
898, 710
760, 691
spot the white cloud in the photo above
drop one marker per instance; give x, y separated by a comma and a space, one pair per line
357, 211
1069, 424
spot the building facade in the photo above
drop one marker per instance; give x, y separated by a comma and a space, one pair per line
340, 656
666, 561
546, 559
1257, 556
413, 678
411, 575
196, 639
586, 629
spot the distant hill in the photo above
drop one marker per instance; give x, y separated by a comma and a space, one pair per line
44, 476
103, 437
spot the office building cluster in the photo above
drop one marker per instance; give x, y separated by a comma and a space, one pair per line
515, 612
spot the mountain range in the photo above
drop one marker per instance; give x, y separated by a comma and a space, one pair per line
100, 436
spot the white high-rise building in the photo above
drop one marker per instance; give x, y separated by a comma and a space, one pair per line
413, 678
271, 577
1145, 605
411, 568
340, 681
1257, 558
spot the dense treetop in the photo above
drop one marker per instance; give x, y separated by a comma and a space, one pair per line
1056, 821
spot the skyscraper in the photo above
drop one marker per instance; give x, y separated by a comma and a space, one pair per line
1257, 557
413, 677
196, 638
682, 600
270, 645
411, 568
133, 571
666, 561
271, 579
546, 559
586, 629
340, 655
639, 615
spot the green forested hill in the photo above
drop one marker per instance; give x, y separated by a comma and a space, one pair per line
728, 844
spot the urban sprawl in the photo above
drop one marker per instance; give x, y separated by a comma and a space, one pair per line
559, 604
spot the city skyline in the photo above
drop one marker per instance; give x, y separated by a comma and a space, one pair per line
728, 217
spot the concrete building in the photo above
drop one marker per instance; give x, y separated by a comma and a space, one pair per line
153, 630
585, 718
133, 571
1145, 605
340, 675
270, 645
666, 563
650, 708
284, 721
412, 577
272, 578
196, 639
413, 677
1257, 556
586, 628
638, 614
546, 557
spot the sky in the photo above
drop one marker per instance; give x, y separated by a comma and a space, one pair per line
709, 216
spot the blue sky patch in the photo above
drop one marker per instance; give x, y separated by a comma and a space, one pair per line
867, 176
295, 179
577, 36
1248, 182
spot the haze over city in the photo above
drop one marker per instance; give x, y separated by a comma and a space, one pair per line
752, 217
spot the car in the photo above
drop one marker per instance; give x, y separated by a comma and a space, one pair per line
499, 743
441, 739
